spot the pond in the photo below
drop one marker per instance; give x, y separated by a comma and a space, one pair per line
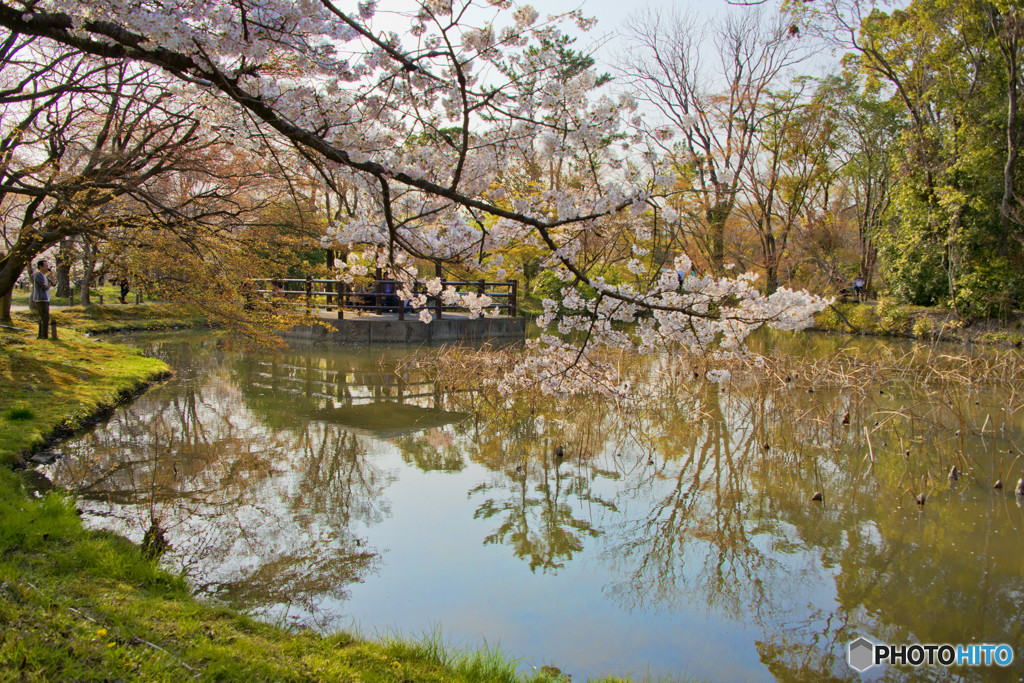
344, 488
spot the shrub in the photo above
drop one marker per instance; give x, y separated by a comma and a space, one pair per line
924, 327
863, 318
828, 319
891, 317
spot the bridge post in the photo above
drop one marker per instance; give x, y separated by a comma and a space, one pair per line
513, 298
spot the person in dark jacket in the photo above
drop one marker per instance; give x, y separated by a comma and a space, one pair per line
41, 283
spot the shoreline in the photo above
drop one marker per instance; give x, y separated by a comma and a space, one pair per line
926, 324
97, 607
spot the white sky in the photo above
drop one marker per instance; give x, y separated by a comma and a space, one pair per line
610, 15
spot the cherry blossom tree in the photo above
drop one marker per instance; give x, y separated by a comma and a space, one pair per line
424, 124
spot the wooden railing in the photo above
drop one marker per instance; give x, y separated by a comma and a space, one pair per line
382, 295
349, 387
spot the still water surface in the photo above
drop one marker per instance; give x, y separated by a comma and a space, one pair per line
339, 488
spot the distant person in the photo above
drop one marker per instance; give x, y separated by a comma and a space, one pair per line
391, 301
858, 287
683, 275
124, 290
41, 283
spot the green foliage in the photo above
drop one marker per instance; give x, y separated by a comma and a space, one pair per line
892, 317
914, 268
863, 317
924, 328
828, 319
944, 238
991, 287
547, 285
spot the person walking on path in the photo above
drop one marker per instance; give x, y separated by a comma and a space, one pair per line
858, 288
41, 297
124, 290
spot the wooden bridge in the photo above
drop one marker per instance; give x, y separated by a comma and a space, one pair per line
382, 295
375, 314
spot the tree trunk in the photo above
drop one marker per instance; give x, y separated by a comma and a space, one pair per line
1006, 208
88, 263
717, 215
5, 309
771, 261
63, 269
11, 268
868, 258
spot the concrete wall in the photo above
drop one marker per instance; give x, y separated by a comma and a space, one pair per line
410, 331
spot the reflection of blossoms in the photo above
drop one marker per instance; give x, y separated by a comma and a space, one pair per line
440, 438
701, 313
719, 376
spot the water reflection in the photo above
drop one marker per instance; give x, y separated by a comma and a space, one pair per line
336, 484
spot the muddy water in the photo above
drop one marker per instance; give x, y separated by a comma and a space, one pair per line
341, 488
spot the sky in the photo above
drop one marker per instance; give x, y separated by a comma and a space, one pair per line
610, 15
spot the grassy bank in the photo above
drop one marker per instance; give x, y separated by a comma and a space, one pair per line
85, 605
887, 318
53, 388
124, 318
110, 294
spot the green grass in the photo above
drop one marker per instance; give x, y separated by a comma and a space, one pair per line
113, 316
131, 317
20, 297
17, 414
52, 387
81, 605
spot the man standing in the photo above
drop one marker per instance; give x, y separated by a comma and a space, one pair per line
41, 296
858, 287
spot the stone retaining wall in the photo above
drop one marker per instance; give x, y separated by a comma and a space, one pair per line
410, 331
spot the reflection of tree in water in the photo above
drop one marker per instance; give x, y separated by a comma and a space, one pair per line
257, 515
543, 504
433, 450
702, 534
536, 515
697, 494
904, 575
722, 480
